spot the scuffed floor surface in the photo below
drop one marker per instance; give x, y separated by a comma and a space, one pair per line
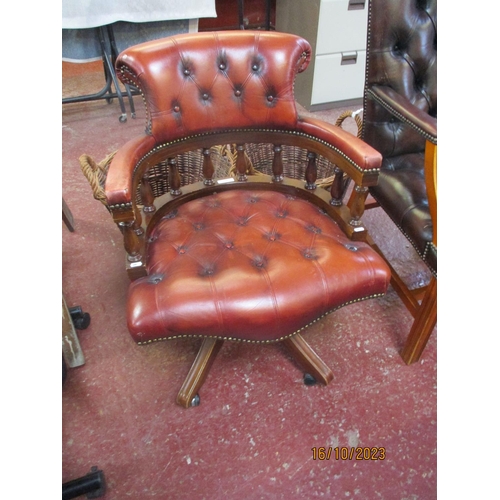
258, 431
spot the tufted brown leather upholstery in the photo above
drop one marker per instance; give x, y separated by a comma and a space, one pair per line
248, 265
400, 121
254, 259
240, 81
400, 111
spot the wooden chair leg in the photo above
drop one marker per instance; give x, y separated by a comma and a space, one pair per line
67, 216
198, 371
309, 360
422, 327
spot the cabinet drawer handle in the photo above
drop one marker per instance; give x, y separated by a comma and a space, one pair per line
349, 58
356, 5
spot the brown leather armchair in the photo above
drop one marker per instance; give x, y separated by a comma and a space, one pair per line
251, 258
400, 121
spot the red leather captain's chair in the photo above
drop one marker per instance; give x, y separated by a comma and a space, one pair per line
251, 258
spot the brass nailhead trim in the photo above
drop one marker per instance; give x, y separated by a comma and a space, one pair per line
393, 111
428, 244
423, 256
263, 341
159, 147
123, 69
121, 206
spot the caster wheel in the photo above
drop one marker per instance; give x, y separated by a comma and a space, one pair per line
309, 379
195, 401
82, 322
123, 118
80, 319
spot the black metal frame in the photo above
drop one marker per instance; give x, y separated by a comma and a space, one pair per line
106, 34
93, 485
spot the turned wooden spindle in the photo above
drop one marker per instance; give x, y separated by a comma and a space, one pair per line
208, 168
137, 225
131, 241
337, 188
357, 205
147, 195
174, 177
311, 171
241, 166
277, 164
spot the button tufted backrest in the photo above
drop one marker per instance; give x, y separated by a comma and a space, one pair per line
402, 55
191, 85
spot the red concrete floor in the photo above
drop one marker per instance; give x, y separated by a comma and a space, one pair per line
258, 430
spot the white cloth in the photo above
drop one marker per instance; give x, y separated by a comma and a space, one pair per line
78, 14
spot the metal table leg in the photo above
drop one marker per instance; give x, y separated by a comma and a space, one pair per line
114, 55
110, 78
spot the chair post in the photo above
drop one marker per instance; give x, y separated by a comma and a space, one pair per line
422, 327
241, 166
337, 188
208, 168
277, 164
311, 171
147, 195
356, 204
131, 241
174, 177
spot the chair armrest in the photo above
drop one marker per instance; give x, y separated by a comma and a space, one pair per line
403, 109
119, 187
364, 158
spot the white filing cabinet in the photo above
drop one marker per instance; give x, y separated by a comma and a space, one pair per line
336, 30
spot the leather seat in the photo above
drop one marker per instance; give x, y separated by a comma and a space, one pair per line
256, 266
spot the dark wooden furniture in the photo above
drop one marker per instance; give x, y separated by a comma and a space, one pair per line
228, 235
400, 121
241, 14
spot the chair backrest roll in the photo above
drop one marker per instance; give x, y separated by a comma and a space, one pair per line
198, 83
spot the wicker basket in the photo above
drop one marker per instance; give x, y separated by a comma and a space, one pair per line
259, 157
190, 167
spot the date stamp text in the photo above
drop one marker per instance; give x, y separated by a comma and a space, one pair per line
348, 453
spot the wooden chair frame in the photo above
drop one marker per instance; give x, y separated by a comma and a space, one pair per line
136, 220
421, 302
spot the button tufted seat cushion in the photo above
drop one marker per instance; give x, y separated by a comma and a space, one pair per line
248, 265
